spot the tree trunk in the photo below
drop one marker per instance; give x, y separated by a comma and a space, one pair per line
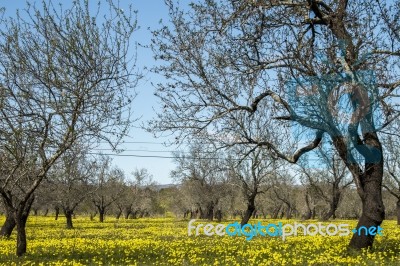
101, 215
21, 215
333, 205
250, 209
46, 212
119, 213
373, 210
331, 212
210, 211
9, 223
57, 211
276, 211
21, 235
68, 215
127, 212
133, 215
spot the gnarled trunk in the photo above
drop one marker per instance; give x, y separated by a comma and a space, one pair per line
373, 210
68, 215
250, 209
21, 215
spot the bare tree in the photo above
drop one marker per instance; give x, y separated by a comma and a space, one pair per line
64, 76
71, 180
108, 185
202, 177
276, 65
253, 175
328, 178
142, 190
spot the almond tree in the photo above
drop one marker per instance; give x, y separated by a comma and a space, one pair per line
108, 186
65, 75
71, 181
328, 177
326, 69
202, 178
254, 176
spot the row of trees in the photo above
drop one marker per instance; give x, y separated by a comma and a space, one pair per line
208, 188
260, 184
93, 187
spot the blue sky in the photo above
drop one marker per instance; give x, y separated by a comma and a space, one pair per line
149, 15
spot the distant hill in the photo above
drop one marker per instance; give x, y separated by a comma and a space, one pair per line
161, 186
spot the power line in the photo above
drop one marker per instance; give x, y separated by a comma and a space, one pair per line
142, 150
156, 156
137, 142
183, 157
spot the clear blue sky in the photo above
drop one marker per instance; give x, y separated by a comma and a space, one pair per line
149, 14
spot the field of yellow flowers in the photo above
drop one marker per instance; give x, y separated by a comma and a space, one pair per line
164, 241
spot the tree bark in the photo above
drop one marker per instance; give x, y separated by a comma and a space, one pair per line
57, 212
210, 211
9, 223
373, 210
21, 235
21, 215
250, 209
68, 215
101, 215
